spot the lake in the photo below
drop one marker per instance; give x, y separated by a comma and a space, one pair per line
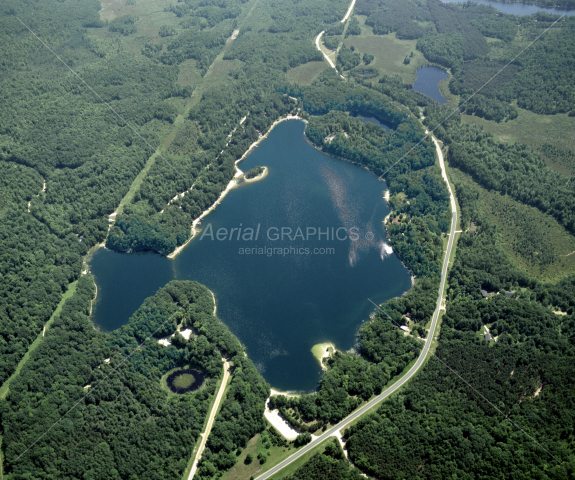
427, 82
279, 303
516, 8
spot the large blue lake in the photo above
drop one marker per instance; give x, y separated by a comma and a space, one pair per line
516, 8
278, 304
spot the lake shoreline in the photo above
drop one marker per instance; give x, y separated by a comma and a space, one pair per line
386, 196
233, 184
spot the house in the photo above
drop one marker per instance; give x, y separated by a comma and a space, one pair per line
404, 328
472, 228
510, 294
488, 337
484, 293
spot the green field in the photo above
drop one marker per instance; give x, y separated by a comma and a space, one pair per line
185, 380
536, 242
388, 51
305, 74
275, 455
534, 130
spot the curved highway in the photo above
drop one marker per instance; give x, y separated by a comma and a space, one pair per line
417, 365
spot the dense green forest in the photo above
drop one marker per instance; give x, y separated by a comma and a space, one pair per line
124, 422
457, 37
201, 86
439, 426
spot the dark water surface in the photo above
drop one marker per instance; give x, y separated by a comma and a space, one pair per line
278, 305
516, 8
427, 82
373, 120
199, 378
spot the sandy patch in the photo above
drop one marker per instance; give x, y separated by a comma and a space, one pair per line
280, 424
321, 351
187, 333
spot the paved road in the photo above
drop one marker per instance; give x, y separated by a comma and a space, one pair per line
424, 352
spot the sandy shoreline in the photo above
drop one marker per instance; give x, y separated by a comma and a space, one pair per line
93, 300
215, 306
321, 351
245, 180
233, 184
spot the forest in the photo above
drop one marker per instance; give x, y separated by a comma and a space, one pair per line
440, 426
461, 39
67, 161
123, 421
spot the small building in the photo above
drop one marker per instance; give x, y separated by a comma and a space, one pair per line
510, 294
404, 328
484, 293
488, 337
472, 228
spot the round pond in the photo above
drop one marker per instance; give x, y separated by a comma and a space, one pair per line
185, 380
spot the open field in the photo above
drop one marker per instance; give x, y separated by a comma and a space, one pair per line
290, 469
536, 243
305, 74
241, 471
389, 52
535, 130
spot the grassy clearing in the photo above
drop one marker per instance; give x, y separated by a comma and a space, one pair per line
151, 17
535, 242
389, 52
71, 290
292, 467
242, 471
534, 130
305, 74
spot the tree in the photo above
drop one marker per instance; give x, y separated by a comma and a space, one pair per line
302, 439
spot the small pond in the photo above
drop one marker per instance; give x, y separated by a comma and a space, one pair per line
185, 380
427, 82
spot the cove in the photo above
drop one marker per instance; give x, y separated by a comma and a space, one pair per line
427, 82
279, 303
516, 8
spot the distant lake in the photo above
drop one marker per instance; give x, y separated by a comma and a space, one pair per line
278, 304
427, 82
516, 8
373, 120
